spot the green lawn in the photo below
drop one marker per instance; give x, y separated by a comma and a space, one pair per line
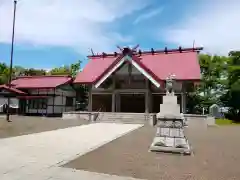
225, 122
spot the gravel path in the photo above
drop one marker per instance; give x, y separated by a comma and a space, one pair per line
216, 156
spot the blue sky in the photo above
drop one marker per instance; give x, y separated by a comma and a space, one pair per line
51, 33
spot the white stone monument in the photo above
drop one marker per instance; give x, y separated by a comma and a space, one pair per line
170, 122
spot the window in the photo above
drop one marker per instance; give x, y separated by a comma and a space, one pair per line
38, 103
69, 101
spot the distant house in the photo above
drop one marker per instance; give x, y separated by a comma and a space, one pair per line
12, 93
39, 95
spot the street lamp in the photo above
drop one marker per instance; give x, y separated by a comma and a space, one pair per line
11, 59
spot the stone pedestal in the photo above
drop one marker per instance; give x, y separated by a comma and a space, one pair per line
170, 133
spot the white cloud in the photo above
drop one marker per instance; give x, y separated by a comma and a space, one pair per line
81, 24
148, 15
215, 26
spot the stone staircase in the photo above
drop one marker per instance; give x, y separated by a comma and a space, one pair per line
123, 117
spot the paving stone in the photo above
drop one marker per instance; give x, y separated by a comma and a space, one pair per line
37, 156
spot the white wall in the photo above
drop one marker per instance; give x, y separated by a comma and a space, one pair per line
59, 102
13, 102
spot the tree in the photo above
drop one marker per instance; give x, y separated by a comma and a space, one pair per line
34, 72
214, 73
75, 68
213, 83
64, 70
231, 98
4, 72
82, 90
19, 71
72, 70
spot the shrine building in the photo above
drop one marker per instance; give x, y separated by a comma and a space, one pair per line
39, 95
134, 80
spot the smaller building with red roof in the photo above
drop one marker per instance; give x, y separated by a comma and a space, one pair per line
39, 95
134, 81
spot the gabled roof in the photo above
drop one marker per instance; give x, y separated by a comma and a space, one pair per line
95, 68
30, 82
135, 61
12, 89
184, 64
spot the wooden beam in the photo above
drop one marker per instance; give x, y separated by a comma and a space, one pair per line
114, 94
147, 95
90, 99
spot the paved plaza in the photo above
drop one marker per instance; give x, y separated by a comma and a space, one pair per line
104, 151
38, 156
215, 156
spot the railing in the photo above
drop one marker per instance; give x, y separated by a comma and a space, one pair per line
97, 114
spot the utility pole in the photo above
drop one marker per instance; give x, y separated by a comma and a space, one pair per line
11, 60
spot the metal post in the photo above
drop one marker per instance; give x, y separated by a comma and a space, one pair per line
11, 60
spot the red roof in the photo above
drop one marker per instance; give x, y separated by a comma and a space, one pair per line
29, 82
183, 64
12, 89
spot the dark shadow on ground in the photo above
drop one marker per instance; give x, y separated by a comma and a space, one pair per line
22, 125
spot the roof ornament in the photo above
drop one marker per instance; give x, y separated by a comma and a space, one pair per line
152, 51
166, 50
193, 44
92, 52
139, 52
169, 84
119, 48
104, 54
135, 47
127, 50
180, 49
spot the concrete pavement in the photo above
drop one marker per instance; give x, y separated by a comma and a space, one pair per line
38, 156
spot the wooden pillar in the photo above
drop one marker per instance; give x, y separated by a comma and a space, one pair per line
118, 102
150, 102
113, 101
90, 98
63, 105
183, 99
147, 96
147, 102
53, 105
38, 104
113, 93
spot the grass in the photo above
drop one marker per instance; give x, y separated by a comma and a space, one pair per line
226, 122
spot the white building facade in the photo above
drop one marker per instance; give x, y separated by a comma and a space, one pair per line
39, 95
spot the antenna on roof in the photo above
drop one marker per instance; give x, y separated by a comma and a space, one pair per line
119, 48
135, 48
152, 51
166, 50
180, 49
140, 52
104, 54
193, 44
92, 52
